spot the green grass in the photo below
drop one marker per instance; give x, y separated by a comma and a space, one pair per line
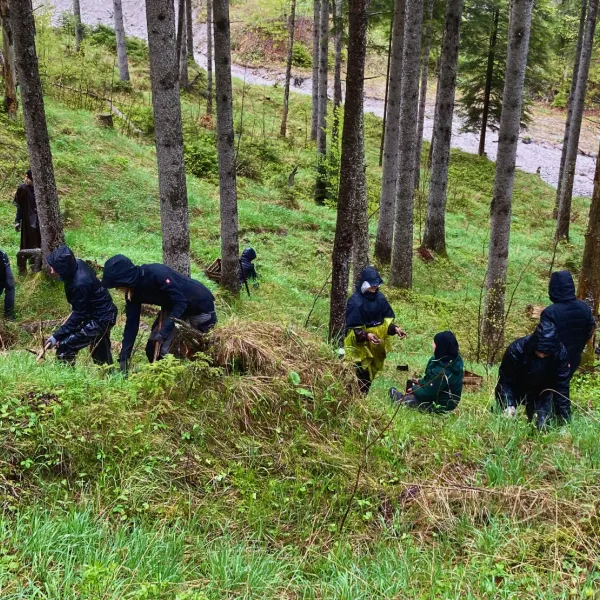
179, 483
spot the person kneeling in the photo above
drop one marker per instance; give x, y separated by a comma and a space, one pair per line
179, 297
440, 389
535, 371
93, 311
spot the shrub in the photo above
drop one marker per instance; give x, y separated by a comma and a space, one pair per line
142, 117
101, 35
201, 157
301, 57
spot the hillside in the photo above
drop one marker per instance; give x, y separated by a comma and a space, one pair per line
186, 482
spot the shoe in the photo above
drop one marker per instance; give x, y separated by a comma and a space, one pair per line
395, 395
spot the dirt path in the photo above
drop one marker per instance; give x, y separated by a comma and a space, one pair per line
536, 156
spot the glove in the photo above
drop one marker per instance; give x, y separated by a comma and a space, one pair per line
52, 342
511, 411
157, 337
17, 227
123, 366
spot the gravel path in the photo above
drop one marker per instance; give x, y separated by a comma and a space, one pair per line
531, 157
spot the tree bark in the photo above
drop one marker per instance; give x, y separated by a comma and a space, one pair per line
8, 53
22, 27
508, 139
209, 57
230, 264
360, 221
435, 225
576, 62
589, 276
352, 155
314, 123
321, 181
578, 104
121, 41
423, 93
288, 69
183, 55
402, 253
387, 89
189, 24
337, 71
164, 71
488, 83
391, 144
78, 25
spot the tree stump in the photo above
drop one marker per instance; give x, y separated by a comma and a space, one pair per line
105, 120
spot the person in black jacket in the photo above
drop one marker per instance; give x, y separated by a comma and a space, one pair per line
572, 318
369, 325
248, 270
26, 220
179, 297
93, 311
535, 372
7, 285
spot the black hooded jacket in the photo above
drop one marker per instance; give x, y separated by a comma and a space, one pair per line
572, 318
368, 309
248, 269
159, 285
525, 376
88, 299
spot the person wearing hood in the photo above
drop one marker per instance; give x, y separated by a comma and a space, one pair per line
248, 270
535, 372
93, 311
369, 325
178, 297
7, 285
572, 318
440, 389
26, 220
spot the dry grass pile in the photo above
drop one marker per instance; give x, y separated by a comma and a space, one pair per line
9, 335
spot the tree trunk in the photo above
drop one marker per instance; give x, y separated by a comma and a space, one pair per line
314, 123
401, 273
189, 24
578, 104
435, 225
488, 83
589, 277
22, 27
121, 42
321, 182
230, 265
352, 155
337, 71
360, 221
423, 93
164, 63
183, 55
387, 89
288, 69
391, 144
576, 62
8, 53
78, 25
209, 57
508, 139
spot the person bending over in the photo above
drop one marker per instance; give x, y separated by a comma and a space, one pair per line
440, 389
7, 285
93, 311
179, 297
572, 318
369, 325
535, 372
248, 270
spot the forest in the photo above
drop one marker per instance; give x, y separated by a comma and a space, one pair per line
286, 202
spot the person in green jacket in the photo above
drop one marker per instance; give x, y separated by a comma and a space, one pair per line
441, 388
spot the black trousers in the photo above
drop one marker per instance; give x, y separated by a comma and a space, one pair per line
93, 334
203, 323
364, 379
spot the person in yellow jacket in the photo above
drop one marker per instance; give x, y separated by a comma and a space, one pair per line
369, 327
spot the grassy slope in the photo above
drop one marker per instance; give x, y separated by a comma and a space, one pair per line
139, 489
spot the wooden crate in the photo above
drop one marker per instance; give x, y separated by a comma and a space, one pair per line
472, 381
213, 272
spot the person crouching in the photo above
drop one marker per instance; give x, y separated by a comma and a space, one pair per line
93, 311
369, 325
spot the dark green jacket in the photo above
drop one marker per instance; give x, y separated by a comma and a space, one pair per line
442, 384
